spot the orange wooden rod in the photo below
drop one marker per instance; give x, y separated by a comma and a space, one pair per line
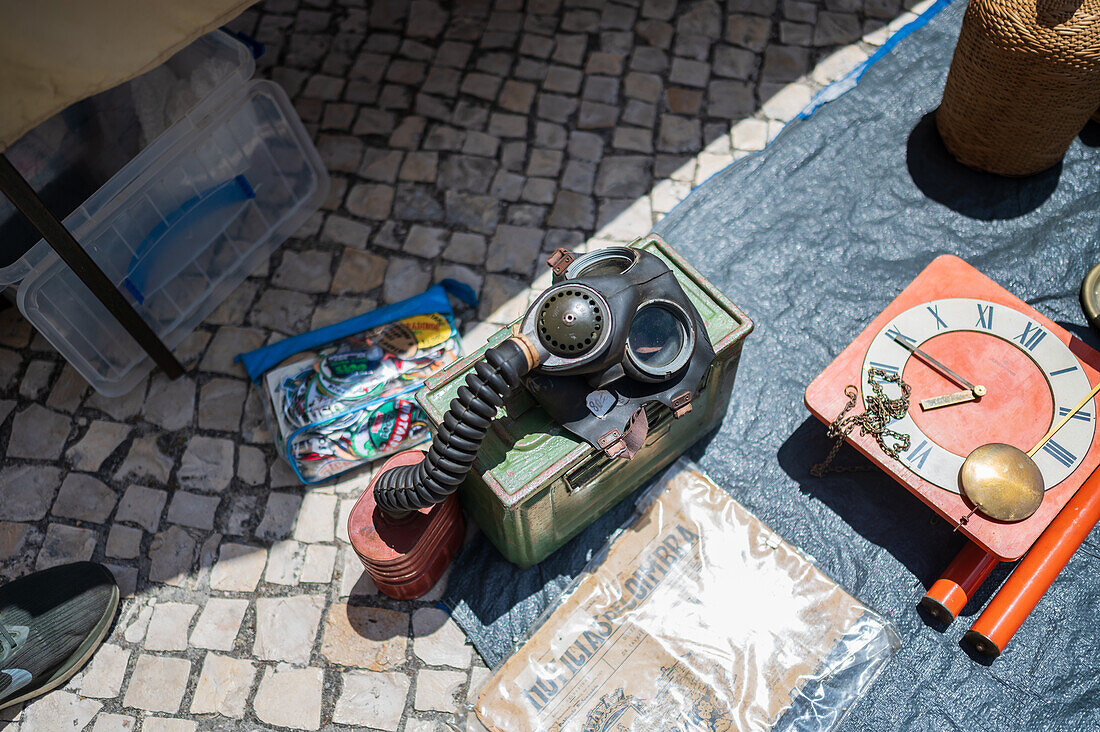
950, 593
1022, 591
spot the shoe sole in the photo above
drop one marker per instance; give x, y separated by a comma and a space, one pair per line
83, 652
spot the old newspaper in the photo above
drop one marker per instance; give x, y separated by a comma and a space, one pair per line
698, 617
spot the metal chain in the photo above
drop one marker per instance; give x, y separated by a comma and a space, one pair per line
881, 410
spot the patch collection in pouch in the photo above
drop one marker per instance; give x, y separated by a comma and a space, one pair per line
333, 405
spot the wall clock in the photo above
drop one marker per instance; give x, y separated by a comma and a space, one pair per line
984, 367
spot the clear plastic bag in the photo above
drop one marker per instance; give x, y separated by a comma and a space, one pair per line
695, 616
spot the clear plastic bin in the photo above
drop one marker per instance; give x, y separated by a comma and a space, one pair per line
224, 172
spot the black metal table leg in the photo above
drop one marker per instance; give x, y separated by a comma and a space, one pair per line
20, 193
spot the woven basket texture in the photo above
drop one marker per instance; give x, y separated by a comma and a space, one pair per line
1024, 80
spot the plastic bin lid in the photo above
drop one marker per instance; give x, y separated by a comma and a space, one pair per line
80, 158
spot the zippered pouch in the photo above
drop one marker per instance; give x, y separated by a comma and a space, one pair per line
342, 396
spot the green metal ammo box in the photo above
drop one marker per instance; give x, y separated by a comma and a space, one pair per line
534, 485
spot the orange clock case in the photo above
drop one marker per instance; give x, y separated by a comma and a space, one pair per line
948, 276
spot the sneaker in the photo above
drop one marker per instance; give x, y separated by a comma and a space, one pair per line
50, 624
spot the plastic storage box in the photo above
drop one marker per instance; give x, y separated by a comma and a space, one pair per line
201, 174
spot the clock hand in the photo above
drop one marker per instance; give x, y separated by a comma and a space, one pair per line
1055, 428
958, 397
977, 389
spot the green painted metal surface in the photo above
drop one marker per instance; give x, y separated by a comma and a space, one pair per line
534, 486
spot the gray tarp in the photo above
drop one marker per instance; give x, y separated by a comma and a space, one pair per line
813, 238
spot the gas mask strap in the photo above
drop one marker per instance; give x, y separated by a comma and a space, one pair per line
630, 442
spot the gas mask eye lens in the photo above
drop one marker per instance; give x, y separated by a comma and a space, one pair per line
656, 337
660, 341
610, 261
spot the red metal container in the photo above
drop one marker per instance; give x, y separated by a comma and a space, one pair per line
405, 556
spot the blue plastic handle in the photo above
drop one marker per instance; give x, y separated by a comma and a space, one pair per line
432, 300
164, 235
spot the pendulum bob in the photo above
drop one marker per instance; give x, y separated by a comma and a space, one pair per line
1001, 482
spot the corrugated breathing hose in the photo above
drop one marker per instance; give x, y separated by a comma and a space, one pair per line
494, 378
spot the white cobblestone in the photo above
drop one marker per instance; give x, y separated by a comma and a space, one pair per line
315, 518
97, 444
224, 686
84, 498
319, 563
103, 676
207, 464
64, 544
438, 691
123, 542
28, 491
142, 506
166, 724
144, 461
157, 683
114, 723
372, 699
168, 628
365, 637
192, 509
438, 640
286, 627
284, 562
279, 515
283, 683
59, 710
219, 623
238, 568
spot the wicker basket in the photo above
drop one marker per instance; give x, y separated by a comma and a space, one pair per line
1024, 80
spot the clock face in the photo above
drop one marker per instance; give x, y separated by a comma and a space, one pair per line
1031, 379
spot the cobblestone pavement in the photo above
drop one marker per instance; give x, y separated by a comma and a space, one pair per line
465, 140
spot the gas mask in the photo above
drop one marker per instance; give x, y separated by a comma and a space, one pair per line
615, 331
613, 344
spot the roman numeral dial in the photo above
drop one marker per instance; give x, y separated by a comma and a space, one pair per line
1031, 379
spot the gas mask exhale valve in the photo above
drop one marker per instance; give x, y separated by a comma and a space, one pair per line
613, 333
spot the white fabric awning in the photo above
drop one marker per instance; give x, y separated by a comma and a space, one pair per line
56, 52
